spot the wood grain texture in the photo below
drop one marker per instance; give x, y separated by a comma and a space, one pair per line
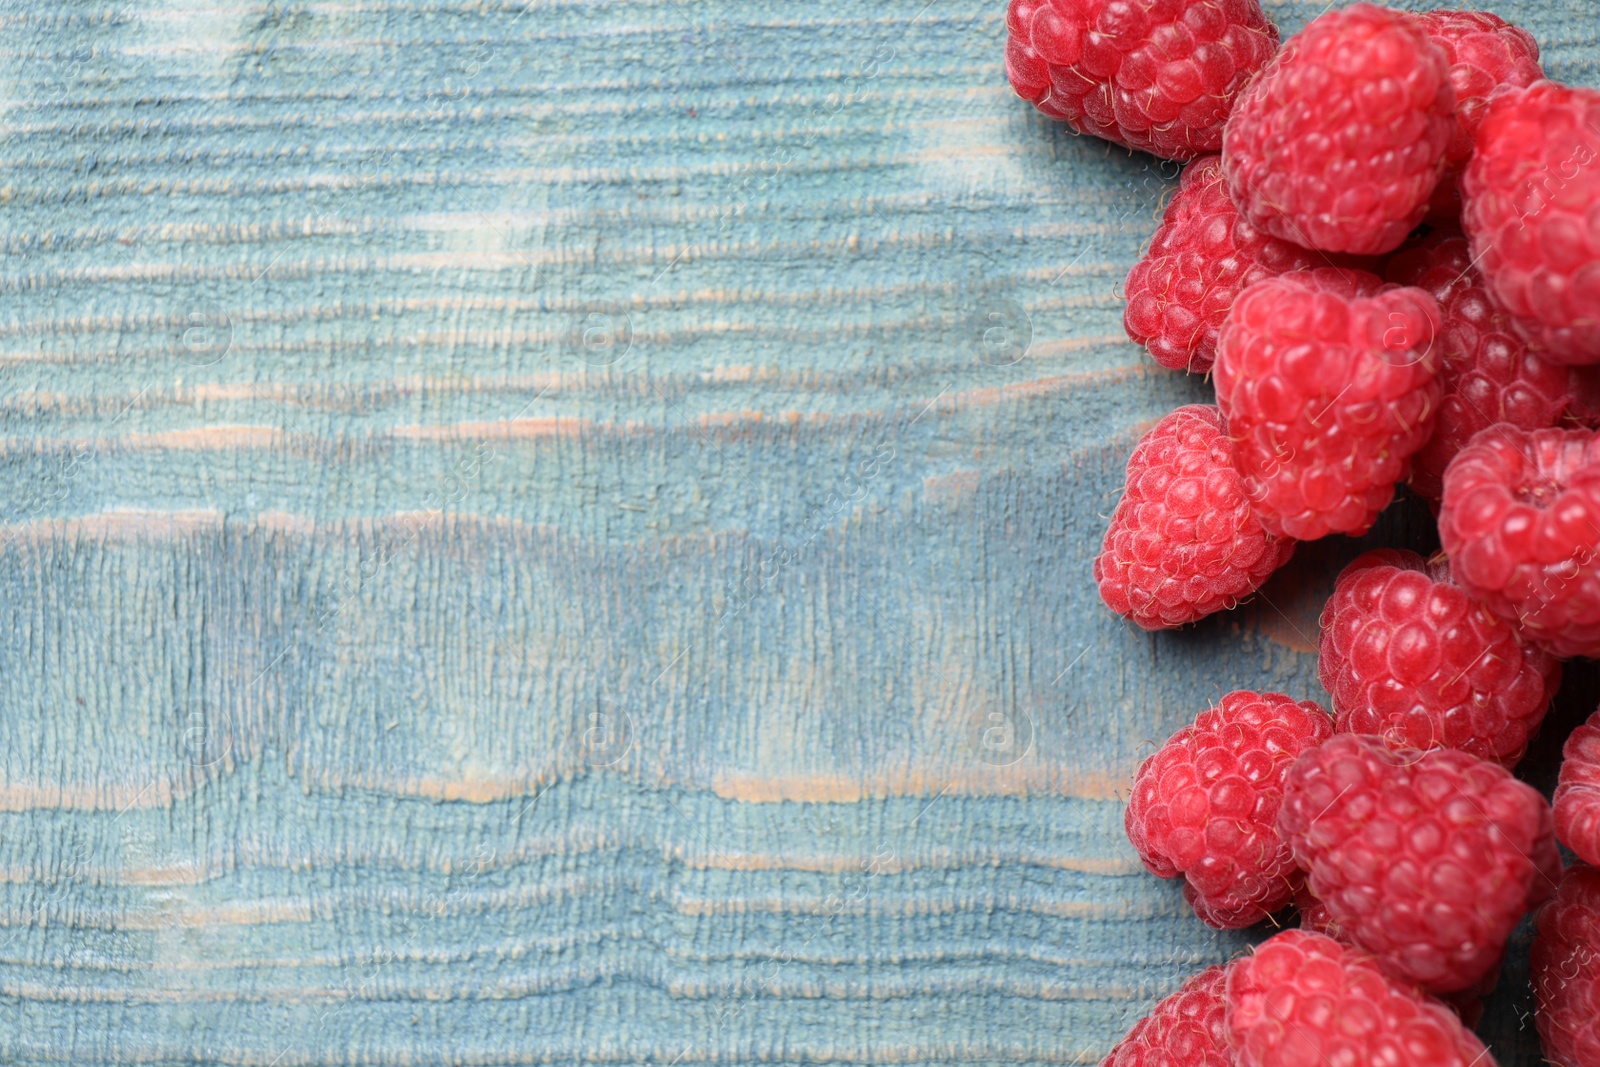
560, 532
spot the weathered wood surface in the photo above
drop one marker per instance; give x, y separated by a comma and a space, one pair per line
561, 533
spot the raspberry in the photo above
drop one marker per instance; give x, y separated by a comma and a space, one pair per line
1413, 659
1327, 380
1565, 968
1187, 1029
1577, 800
1488, 373
1183, 542
1199, 261
1340, 142
1521, 521
1425, 859
1484, 52
1304, 1000
1206, 805
1156, 75
1529, 195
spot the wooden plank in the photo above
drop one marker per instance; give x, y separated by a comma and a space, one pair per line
522, 543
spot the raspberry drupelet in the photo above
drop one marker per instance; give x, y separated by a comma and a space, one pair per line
1328, 381
1205, 806
1413, 659
1304, 1000
1339, 144
1183, 542
1427, 860
1487, 374
1187, 1029
1520, 520
1155, 75
1201, 258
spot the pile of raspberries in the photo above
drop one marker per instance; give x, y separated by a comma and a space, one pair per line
1385, 253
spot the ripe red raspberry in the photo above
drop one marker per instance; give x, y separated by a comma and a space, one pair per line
1155, 75
1577, 800
1340, 142
1484, 52
1529, 195
1488, 374
1520, 520
1206, 805
1304, 1000
1183, 542
1414, 660
1199, 261
1565, 969
1425, 859
1327, 380
1187, 1029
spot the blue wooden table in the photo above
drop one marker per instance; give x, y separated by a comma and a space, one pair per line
560, 533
